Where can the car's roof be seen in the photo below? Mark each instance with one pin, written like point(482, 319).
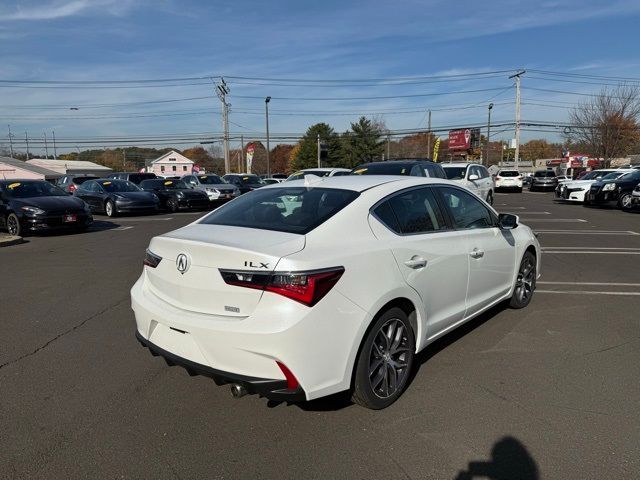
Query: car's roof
point(323, 169)
point(458, 164)
point(22, 180)
point(360, 183)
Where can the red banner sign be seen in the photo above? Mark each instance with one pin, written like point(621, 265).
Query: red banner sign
point(460, 139)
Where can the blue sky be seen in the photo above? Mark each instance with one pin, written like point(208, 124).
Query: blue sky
point(75, 40)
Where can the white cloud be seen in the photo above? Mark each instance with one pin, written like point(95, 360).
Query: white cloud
point(61, 9)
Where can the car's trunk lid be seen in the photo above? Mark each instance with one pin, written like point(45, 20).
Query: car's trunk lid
point(208, 248)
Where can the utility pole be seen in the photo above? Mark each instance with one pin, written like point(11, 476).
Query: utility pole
point(46, 146)
point(318, 150)
point(429, 153)
point(266, 109)
point(55, 152)
point(222, 90)
point(26, 137)
point(388, 147)
point(489, 132)
point(517, 153)
point(242, 168)
point(10, 140)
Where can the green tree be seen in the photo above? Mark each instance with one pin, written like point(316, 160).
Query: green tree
point(363, 143)
point(307, 155)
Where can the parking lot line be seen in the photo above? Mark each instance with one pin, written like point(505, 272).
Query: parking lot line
point(536, 213)
point(557, 220)
point(600, 284)
point(123, 228)
point(580, 292)
point(148, 219)
point(589, 232)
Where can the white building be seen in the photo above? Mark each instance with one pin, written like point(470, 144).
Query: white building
point(71, 167)
point(171, 164)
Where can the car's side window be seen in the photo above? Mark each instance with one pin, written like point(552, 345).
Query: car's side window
point(466, 210)
point(414, 211)
point(484, 173)
point(416, 171)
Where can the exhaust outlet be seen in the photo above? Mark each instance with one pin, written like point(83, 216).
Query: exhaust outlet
point(238, 390)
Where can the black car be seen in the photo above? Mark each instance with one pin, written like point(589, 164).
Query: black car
point(175, 195)
point(245, 182)
point(619, 190)
point(133, 177)
point(36, 205)
point(543, 180)
point(414, 168)
point(117, 196)
point(70, 183)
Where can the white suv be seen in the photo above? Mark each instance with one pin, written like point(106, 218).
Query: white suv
point(473, 176)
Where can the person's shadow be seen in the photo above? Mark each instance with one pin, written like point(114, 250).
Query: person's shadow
point(510, 460)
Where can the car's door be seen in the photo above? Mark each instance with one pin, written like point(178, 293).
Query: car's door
point(97, 196)
point(491, 250)
point(4, 208)
point(487, 181)
point(474, 182)
point(431, 255)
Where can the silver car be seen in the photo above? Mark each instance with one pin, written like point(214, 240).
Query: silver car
point(217, 189)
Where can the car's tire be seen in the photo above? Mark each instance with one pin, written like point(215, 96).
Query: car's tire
point(490, 197)
point(172, 205)
point(389, 361)
point(110, 208)
point(519, 190)
point(12, 223)
point(525, 283)
point(625, 201)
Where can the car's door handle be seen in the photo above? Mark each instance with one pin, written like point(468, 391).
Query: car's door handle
point(475, 253)
point(416, 262)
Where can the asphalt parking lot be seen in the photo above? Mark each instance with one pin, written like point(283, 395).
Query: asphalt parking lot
point(550, 391)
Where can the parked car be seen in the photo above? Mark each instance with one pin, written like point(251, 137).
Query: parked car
point(619, 190)
point(473, 176)
point(175, 195)
point(272, 181)
point(258, 290)
point(508, 180)
point(319, 172)
point(543, 180)
point(113, 197)
point(413, 168)
point(576, 190)
point(133, 177)
point(36, 205)
point(244, 182)
point(635, 197)
point(215, 187)
point(70, 183)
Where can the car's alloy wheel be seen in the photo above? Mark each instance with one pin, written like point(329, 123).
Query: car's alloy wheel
point(525, 282)
point(384, 363)
point(110, 209)
point(625, 201)
point(13, 225)
point(172, 205)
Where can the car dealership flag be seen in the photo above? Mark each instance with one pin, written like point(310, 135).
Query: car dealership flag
point(436, 147)
point(250, 149)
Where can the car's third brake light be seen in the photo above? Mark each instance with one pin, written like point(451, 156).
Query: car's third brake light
point(307, 288)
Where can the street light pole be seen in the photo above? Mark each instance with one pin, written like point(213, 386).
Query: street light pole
point(266, 110)
point(55, 152)
point(517, 152)
point(489, 132)
point(46, 145)
point(26, 138)
point(318, 148)
point(10, 140)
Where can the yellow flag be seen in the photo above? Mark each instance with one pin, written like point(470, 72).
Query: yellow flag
point(436, 147)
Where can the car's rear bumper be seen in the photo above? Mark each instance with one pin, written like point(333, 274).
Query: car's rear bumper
point(273, 389)
point(250, 347)
point(543, 186)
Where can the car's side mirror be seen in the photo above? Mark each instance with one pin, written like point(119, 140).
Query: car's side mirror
point(473, 177)
point(508, 221)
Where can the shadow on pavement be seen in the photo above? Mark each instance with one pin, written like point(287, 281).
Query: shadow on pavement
point(510, 460)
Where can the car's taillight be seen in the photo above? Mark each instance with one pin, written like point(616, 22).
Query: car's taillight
point(151, 259)
point(498, 177)
point(72, 188)
point(307, 287)
point(292, 381)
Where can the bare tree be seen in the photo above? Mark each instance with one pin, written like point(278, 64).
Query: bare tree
point(608, 123)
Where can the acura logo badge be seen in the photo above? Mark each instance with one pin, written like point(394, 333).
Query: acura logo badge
point(183, 263)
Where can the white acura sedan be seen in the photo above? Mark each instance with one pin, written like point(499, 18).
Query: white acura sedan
point(311, 287)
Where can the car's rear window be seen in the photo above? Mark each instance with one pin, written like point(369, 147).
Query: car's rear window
point(545, 173)
point(138, 177)
point(508, 173)
point(292, 210)
point(81, 180)
point(386, 168)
